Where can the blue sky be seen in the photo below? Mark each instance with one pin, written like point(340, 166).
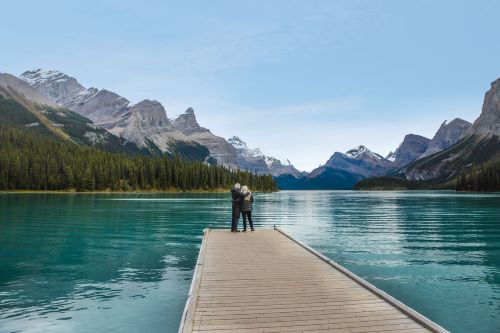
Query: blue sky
point(299, 79)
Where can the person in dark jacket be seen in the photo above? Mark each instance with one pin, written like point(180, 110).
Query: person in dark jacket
point(246, 208)
point(236, 197)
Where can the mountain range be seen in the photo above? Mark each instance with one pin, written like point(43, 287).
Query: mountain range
point(25, 108)
point(144, 125)
point(459, 152)
point(457, 147)
point(52, 102)
point(479, 146)
point(343, 170)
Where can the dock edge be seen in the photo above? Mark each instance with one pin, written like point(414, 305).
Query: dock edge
point(185, 325)
point(419, 318)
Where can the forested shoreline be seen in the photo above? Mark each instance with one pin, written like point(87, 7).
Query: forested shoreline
point(33, 162)
point(485, 179)
point(482, 179)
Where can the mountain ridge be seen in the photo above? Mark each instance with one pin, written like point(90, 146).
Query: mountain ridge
point(466, 164)
point(144, 123)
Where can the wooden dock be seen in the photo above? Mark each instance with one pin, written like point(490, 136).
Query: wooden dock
point(266, 281)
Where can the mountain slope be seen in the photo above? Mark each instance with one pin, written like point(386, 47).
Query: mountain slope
point(25, 109)
point(340, 172)
point(360, 161)
point(256, 161)
point(146, 123)
point(472, 151)
point(488, 123)
point(480, 146)
point(13, 86)
point(412, 147)
point(30, 161)
point(447, 135)
point(464, 165)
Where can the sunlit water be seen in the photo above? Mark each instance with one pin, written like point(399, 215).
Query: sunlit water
point(123, 263)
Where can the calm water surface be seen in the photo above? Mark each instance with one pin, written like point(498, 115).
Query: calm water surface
point(123, 263)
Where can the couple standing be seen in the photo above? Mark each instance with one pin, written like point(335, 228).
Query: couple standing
point(242, 200)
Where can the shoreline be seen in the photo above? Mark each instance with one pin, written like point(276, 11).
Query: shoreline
point(119, 192)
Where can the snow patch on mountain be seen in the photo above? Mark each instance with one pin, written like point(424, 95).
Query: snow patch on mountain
point(146, 122)
point(255, 160)
point(242, 147)
point(43, 75)
point(361, 151)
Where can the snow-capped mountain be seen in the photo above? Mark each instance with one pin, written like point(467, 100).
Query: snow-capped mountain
point(361, 152)
point(242, 147)
point(13, 85)
point(57, 86)
point(279, 167)
point(361, 161)
point(342, 171)
point(146, 123)
point(26, 108)
point(254, 159)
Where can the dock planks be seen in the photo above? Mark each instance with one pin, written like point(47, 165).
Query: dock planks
point(266, 281)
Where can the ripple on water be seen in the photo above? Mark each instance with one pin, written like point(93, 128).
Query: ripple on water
point(123, 263)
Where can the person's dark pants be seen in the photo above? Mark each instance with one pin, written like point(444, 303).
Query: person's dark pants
point(235, 218)
point(249, 216)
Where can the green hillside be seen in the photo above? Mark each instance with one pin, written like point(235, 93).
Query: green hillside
point(34, 161)
point(16, 112)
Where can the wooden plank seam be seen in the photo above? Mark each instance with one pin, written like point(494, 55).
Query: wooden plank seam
point(418, 317)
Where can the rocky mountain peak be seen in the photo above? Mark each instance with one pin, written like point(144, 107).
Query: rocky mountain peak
point(146, 103)
point(412, 147)
point(362, 152)
point(447, 135)
point(187, 123)
point(391, 156)
point(360, 161)
point(14, 85)
point(57, 86)
point(150, 119)
point(488, 123)
point(237, 142)
point(43, 75)
point(242, 147)
point(146, 122)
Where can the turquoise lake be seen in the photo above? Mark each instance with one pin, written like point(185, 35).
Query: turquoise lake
point(123, 262)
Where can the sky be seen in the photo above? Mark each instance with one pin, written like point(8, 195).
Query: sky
point(299, 79)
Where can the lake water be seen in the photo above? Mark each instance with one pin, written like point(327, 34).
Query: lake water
point(123, 263)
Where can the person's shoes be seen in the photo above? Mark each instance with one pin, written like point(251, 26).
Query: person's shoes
point(244, 230)
point(253, 229)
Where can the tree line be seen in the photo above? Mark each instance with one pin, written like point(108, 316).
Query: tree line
point(484, 179)
point(30, 161)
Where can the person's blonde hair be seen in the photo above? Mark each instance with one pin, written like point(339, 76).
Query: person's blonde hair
point(245, 190)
